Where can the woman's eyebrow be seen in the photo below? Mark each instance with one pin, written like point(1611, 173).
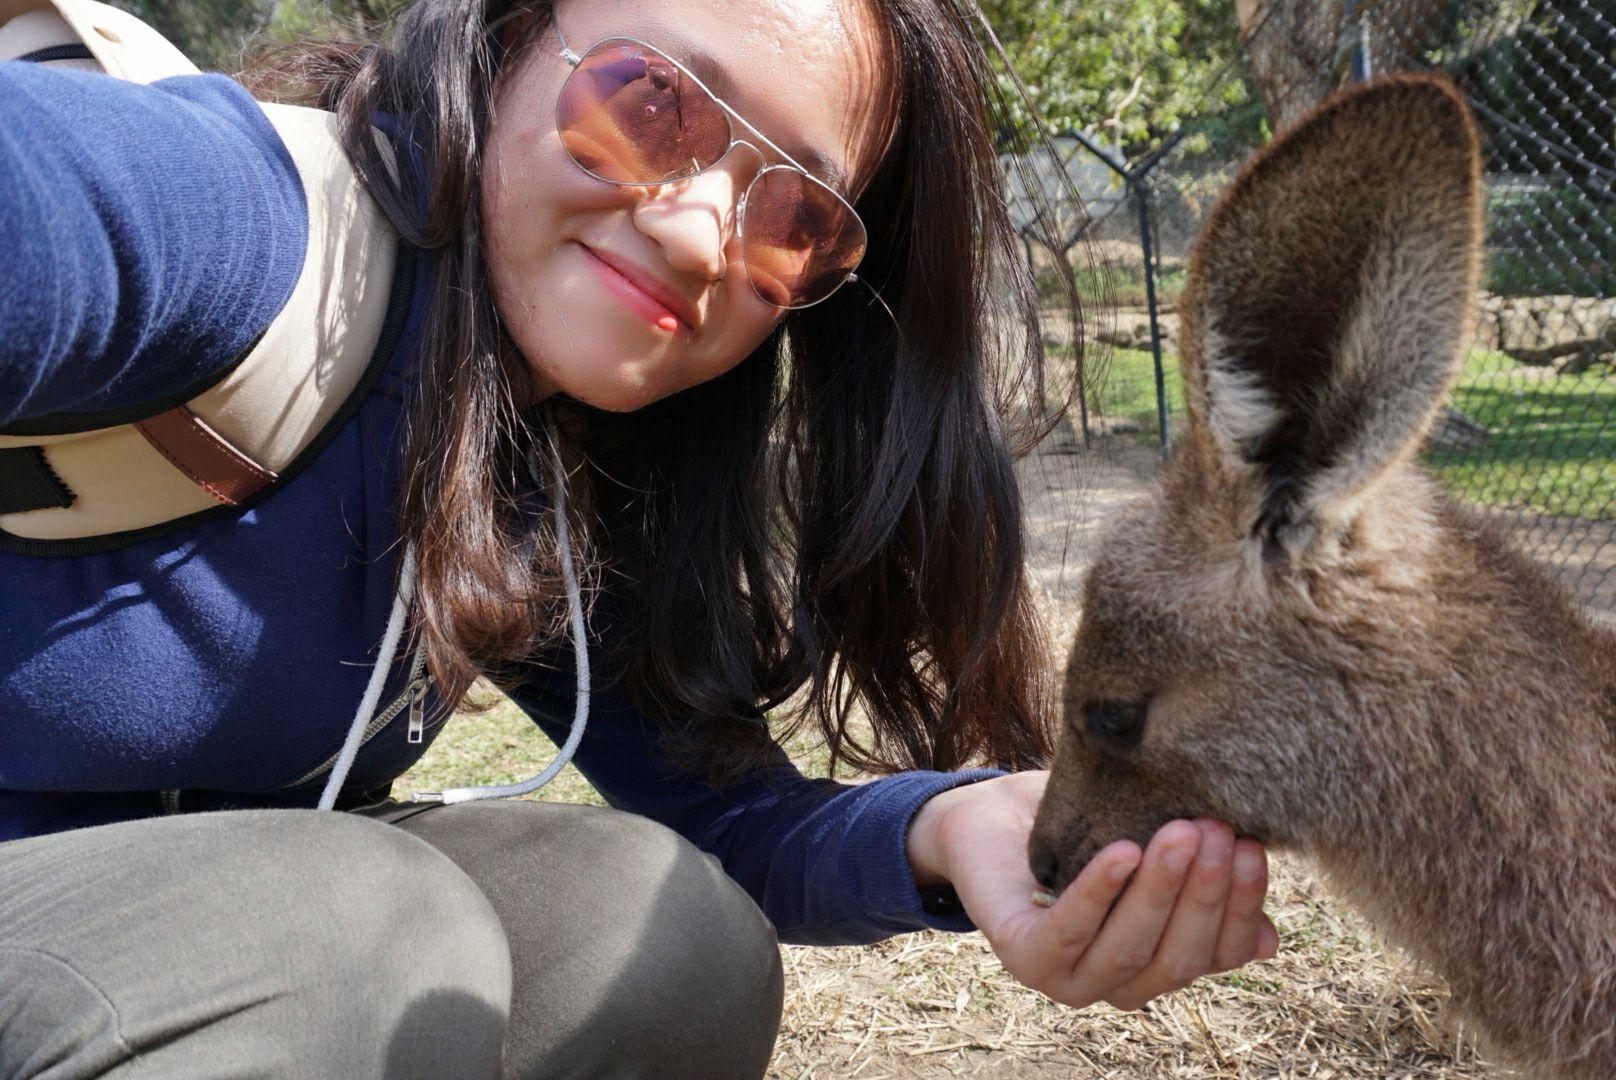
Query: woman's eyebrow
point(712, 72)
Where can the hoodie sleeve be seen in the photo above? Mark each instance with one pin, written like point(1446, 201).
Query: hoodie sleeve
point(826, 861)
point(150, 234)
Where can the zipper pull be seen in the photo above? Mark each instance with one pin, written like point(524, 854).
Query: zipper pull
point(417, 721)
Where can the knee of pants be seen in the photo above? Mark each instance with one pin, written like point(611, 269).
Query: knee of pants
point(420, 953)
point(271, 940)
point(640, 957)
point(698, 985)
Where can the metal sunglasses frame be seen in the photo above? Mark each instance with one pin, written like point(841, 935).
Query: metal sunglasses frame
point(731, 117)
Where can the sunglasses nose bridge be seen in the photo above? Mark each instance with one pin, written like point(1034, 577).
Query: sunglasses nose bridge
point(763, 159)
point(746, 189)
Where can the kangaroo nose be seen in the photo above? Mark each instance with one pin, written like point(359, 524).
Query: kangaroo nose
point(1045, 864)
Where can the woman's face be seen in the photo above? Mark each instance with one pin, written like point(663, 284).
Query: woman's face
point(805, 73)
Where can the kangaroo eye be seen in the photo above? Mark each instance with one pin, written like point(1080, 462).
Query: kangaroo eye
point(1116, 723)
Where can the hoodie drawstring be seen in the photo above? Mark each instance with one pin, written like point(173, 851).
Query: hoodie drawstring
point(373, 689)
point(390, 640)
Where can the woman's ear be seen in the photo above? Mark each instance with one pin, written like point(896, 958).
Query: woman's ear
point(1327, 305)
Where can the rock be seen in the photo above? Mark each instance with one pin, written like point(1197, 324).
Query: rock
point(1595, 355)
point(1554, 355)
point(1129, 328)
point(1454, 430)
point(1524, 325)
point(1100, 426)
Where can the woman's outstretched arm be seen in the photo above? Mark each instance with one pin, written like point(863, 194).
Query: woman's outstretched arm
point(825, 861)
point(148, 235)
point(833, 863)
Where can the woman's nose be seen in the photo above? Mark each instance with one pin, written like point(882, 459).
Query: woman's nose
point(693, 220)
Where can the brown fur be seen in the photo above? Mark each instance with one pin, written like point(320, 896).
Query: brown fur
point(1333, 657)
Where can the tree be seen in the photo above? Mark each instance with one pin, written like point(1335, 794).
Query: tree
point(215, 34)
point(1298, 50)
point(211, 32)
point(1130, 72)
point(1544, 77)
point(1294, 48)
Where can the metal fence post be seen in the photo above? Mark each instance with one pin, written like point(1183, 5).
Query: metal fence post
point(1358, 65)
point(1141, 188)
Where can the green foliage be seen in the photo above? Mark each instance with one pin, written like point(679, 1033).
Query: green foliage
point(216, 33)
point(1129, 71)
point(1122, 283)
point(1551, 240)
point(212, 33)
point(1543, 79)
point(293, 20)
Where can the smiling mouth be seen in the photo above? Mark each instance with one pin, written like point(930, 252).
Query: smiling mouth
point(636, 299)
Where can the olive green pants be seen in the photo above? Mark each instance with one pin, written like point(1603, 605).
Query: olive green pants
point(518, 939)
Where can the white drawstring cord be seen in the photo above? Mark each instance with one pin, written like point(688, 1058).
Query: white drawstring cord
point(378, 676)
point(395, 631)
point(580, 712)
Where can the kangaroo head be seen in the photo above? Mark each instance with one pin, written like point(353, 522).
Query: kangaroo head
point(1232, 622)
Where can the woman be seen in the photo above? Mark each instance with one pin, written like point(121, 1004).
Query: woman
point(784, 462)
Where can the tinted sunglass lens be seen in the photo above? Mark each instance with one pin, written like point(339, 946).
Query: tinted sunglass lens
point(802, 242)
point(627, 114)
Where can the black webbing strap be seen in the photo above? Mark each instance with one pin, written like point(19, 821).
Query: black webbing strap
point(27, 481)
point(74, 51)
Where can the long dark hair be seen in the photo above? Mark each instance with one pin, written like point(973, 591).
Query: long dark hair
point(833, 523)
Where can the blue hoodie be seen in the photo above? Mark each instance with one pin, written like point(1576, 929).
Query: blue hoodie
point(150, 233)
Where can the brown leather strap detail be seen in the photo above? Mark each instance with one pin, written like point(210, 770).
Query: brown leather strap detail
point(201, 453)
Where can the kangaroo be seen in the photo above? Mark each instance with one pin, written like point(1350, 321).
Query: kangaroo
point(1300, 635)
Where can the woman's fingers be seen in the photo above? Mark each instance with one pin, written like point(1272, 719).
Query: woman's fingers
point(1267, 940)
point(1189, 941)
point(1127, 942)
point(1041, 949)
point(1066, 931)
point(1192, 907)
point(1243, 920)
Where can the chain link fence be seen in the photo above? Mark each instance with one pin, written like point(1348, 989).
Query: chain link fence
point(1529, 433)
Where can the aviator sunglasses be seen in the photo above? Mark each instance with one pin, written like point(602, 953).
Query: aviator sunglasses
point(630, 114)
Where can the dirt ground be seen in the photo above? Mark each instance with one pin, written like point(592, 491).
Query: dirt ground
point(1333, 1003)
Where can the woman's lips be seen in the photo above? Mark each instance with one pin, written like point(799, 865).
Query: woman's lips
point(635, 298)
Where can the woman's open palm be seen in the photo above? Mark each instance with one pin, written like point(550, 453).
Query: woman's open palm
point(1193, 905)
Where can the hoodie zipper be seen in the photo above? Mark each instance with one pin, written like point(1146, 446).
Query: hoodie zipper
point(413, 698)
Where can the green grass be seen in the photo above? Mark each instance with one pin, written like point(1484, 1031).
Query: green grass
point(496, 747)
point(503, 745)
point(1128, 389)
point(1120, 283)
point(1553, 441)
point(1552, 446)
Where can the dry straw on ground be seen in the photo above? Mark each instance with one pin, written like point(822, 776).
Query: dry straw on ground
point(1332, 1004)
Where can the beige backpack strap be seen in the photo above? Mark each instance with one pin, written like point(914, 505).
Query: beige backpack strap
point(121, 44)
point(122, 478)
point(39, 33)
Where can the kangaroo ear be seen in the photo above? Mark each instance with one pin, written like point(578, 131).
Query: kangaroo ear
point(1327, 302)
